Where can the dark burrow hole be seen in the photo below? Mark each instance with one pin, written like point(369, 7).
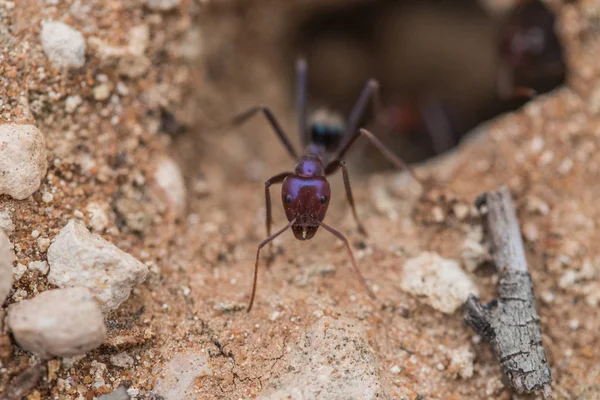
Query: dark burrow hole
point(444, 67)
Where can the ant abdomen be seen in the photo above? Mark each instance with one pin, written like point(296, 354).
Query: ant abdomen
point(327, 130)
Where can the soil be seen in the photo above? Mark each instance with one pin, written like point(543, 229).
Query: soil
point(204, 68)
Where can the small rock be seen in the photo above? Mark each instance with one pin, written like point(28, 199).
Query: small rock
point(7, 257)
point(79, 258)
point(38, 266)
point(139, 37)
point(63, 45)
point(474, 253)
point(97, 213)
point(530, 232)
point(461, 361)
point(19, 271)
point(22, 160)
point(134, 66)
point(102, 91)
point(332, 360)
point(441, 281)
point(60, 322)
point(72, 102)
point(122, 360)
point(461, 211)
point(438, 214)
point(395, 370)
point(176, 380)
point(43, 244)
point(6, 223)
point(47, 197)
point(133, 392)
point(162, 5)
point(119, 393)
point(171, 186)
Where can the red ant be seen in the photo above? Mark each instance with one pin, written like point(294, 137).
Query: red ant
point(306, 192)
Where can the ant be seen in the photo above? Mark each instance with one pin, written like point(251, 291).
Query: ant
point(306, 192)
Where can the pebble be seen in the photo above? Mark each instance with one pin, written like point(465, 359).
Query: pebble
point(47, 197)
point(22, 160)
point(60, 322)
point(395, 370)
point(461, 361)
point(474, 252)
point(333, 359)
point(122, 360)
point(38, 266)
point(6, 223)
point(79, 258)
point(7, 257)
point(72, 103)
point(176, 380)
point(19, 271)
point(162, 5)
point(98, 217)
point(64, 46)
point(461, 211)
point(119, 393)
point(171, 185)
point(43, 244)
point(102, 92)
point(441, 282)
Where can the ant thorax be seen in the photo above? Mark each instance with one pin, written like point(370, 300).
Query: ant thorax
point(326, 130)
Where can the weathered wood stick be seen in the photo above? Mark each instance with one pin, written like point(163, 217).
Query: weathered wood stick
point(511, 323)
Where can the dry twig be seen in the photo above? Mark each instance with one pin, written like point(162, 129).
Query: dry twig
point(511, 323)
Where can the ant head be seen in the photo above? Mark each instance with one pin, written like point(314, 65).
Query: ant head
point(326, 129)
point(307, 200)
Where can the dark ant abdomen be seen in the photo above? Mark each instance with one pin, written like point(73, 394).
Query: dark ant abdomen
point(326, 136)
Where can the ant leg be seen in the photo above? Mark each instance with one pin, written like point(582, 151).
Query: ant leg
point(301, 72)
point(437, 123)
point(398, 163)
point(275, 179)
point(249, 113)
point(370, 92)
point(342, 164)
point(260, 246)
point(343, 239)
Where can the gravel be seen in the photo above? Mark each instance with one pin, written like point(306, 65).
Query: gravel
point(7, 258)
point(79, 258)
point(332, 360)
point(62, 323)
point(440, 282)
point(22, 160)
point(171, 186)
point(162, 5)
point(64, 46)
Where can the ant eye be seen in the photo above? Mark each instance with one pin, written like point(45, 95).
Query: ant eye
point(323, 199)
point(288, 199)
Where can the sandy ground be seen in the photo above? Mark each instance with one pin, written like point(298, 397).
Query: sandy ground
point(201, 264)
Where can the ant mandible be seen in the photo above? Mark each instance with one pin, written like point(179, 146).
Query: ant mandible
point(306, 192)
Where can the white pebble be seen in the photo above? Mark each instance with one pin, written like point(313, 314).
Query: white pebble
point(438, 214)
point(176, 380)
point(64, 46)
point(7, 258)
point(440, 281)
point(162, 5)
point(79, 258)
point(274, 315)
point(61, 322)
point(19, 271)
point(565, 166)
point(47, 197)
point(72, 102)
point(395, 369)
point(102, 92)
point(38, 266)
point(35, 234)
point(43, 244)
point(171, 185)
point(574, 324)
point(122, 360)
point(6, 223)
point(97, 213)
point(22, 160)
point(461, 211)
